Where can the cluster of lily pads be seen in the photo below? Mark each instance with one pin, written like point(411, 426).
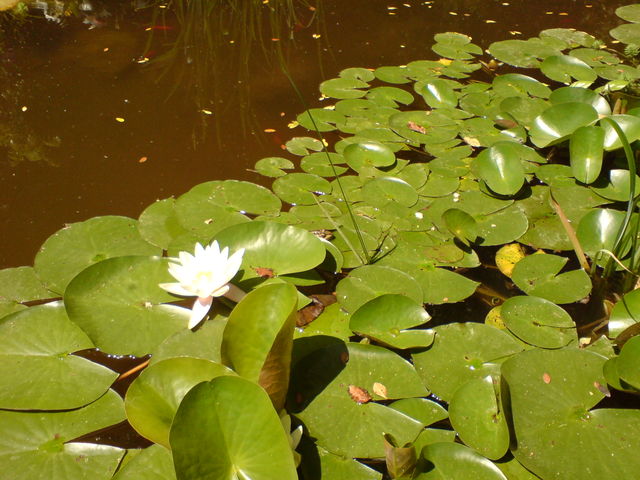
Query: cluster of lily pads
point(432, 186)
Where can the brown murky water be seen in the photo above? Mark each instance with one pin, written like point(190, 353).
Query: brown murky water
point(64, 156)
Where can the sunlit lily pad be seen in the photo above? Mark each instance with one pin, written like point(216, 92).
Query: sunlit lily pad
point(500, 166)
point(323, 164)
point(628, 362)
point(153, 398)
point(558, 435)
point(383, 190)
point(36, 366)
point(340, 379)
point(229, 425)
point(204, 343)
point(389, 96)
point(424, 410)
point(582, 95)
point(539, 275)
point(629, 124)
point(625, 313)
point(159, 223)
point(371, 281)
point(44, 453)
point(22, 284)
point(389, 319)
point(119, 304)
point(282, 249)
point(516, 84)
point(538, 321)
point(615, 185)
point(301, 145)
point(561, 120)
point(564, 68)
point(455, 45)
point(440, 285)
point(301, 188)
point(370, 153)
point(438, 93)
point(320, 119)
point(274, 166)
point(522, 53)
point(452, 460)
point(343, 88)
point(152, 463)
point(586, 148)
point(76, 246)
point(477, 416)
point(462, 225)
point(462, 352)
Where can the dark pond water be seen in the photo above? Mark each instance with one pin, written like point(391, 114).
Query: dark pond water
point(66, 154)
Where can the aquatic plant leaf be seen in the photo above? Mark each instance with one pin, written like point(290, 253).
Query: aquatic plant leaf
point(159, 224)
point(455, 45)
point(343, 88)
point(538, 321)
point(73, 248)
point(523, 109)
point(392, 74)
point(552, 392)
point(152, 463)
point(630, 13)
point(320, 119)
point(625, 313)
point(539, 276)
point(628, 363)
point(559, 121)
point(581, 95)
point(571, 37)
point(628, 33)
point(226, 426)
point(7, 308)
point(301, 145)
point(370, 153)
point(476, 414)
point(423, 410)
point(323, 164)
point(153, 398)
point(119, 304)
point(523, 53)
point(275, 166)
point(630, 125)
point(598, 231)
point(301, 188)
point(500, 166)
point(513, 469)
point(45, 453)
point(22, 284)
point(333, 466)
point(384, 190)
point(257, 341)
point(586, 146)
point(370, 281)
point(36, 366)
point(439, 94)
point(389, 96)
point(320, 385)
point(452, 460)
point(462, 225)
point(562, 68)
point(501, 227)
point(399, 460)
point(516, 84)
point(615, 185)
point(461, 352)
point(389, 319)
point(333, 322)
point(281, 248)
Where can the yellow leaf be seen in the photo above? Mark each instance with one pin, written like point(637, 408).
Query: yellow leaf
point(508, 256)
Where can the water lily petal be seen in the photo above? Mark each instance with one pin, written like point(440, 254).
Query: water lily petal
point(200, 309)
point(221, 291)
point(176, 289)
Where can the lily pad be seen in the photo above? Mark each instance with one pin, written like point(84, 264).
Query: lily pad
point(616, 185)
point(274, 166)
point(370, 153)
point(301, 188)
point(455, 45)
point(500, 166)
point(159, 223)
point(424, 410)
point(204, 343)
point(564, 68)
point(22, 284)
point(152, 463)
point(229, 425)
point(625, 313)
point(586, 148)
point(452, 460)
point(45, 453)
point(598, 231)
point(440, 285)
point(383, 190)
point(389, 319)
point(343, 88)
point(559, 121)
point(582, 95)
point(539, 275)
point(628, 363)
point(320, 119)
point(538, 321)
point(119, 304)
point(629, 124)
point(73, 248)
point(462, 352)
point(462, 225)
point(37, 369)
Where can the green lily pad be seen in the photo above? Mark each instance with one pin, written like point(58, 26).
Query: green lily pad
point(476, 414)
point(616, 185)
point(301, 188)
point(559, 121)
point(538, 321)
point(389, 319)
point(625, 313)
point(301, 145)
point(424, 410)
point(70, 250)
point(383, 190)
point(516, 84)
point(320, 119)
point(7, 308)
point(630, 125)
point(323, 164)
point(501, 227)
point(37, 369)
point(152, 463)
point(333, 322)
point(440, 285)
point(462, 352)
point(282, 249)
point(371, 281)
point(275, 166)
point(628, 362)
point(628, 33)
point(119, 304)
point(22, 284)
point(562, 68)
point(500, 166)
point(452, 460)
point(204, 343)
point(439, 94)
point(153, 398)
point(522, 53)
point(390, 96)
point(44, 453)
point(226, 426)
point(335, 467)
point(630, 13)
point(598, 231)
point(159, 224)
point(392, 74)
point(581, 95)
point(462, 225)
point(340, 379)
point(539, 275)
point(370, 153)
point(586, 148)
point(558, 435)
point(343, 88)
point(455, 45)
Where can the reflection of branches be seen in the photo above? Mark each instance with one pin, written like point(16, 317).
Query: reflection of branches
point(216, 43)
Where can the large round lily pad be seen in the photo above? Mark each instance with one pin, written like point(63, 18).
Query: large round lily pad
point(36, 366)
point(21, 284)
point(454, 461)
point(73, 248)
point(119, 304)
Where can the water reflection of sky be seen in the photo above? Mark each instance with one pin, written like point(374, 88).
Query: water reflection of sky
point(87, 130)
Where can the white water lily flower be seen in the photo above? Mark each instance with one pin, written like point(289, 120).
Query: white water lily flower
point(205, 274)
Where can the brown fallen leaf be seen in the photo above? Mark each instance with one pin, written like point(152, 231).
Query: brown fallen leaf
point(546, 378)
point(380, 390)
point(312, 311)
point(358, 394)
point(416, 128)
point(264, 272)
